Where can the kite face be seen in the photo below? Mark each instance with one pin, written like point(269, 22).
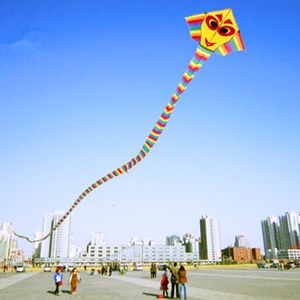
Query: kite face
point(217, 29)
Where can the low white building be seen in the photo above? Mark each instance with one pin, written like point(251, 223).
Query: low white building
point(138, 253)
point(291, 254)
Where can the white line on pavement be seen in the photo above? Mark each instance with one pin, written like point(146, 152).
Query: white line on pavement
point(244, 276)
point(11, 280)
point(194, 292)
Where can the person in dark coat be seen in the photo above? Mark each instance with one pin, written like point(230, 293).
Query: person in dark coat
point(174, 280)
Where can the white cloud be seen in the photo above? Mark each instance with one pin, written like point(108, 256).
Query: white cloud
point(29, 45)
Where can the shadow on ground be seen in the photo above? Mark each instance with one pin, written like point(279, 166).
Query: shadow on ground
point(51, 292)
point(150, 294)
point(62, 291)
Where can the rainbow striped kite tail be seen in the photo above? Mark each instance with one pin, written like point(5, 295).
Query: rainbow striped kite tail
point(200, 56)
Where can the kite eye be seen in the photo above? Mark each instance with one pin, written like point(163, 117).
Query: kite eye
point(212, 23)
point(223, 30)
point(226, 30)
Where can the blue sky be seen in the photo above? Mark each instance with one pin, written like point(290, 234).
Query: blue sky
point(81, 85)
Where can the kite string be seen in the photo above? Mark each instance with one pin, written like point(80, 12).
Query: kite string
point(32, 241)
point(199, 57)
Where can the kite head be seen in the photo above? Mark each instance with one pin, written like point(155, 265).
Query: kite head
point(216, 31)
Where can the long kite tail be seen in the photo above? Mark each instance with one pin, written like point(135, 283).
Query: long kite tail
point(200, 56)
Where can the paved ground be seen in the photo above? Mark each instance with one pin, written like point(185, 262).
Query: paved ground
point(202, 284)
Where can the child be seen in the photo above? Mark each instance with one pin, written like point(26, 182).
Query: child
point(164, 284)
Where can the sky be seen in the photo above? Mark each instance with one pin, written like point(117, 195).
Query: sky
point(83, 82)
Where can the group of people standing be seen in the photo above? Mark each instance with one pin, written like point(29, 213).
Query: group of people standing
point(104, 270)
point(178, 282)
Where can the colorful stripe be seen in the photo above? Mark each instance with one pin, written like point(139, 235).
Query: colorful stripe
point(235, 44)
point(194, 23)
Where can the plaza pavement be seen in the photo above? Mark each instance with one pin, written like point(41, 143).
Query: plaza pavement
point(202, 284)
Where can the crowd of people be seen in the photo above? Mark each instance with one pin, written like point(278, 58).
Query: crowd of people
point(177, 280)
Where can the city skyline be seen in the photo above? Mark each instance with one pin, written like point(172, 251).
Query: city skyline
point(280, 233)
point(81, 88)
point(48, 247)
point(236, 239)
point(170, 238)
point(239, 239)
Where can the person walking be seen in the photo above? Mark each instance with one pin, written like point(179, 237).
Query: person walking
point(182, 280)
point(164, 284)
point(73, 280)
point(153, 271)
point(109, 270)
point(174, 280)
point(58, 280)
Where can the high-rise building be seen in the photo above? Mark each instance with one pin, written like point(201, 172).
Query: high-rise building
point(60, 237)
point(6, 240)
point(97, 237)
point(57, 245)
point(290, 223)
point(74, 250)
point(240, 241)
point(271, 236)
point(280, 233)
point(173, 240)
point(135, 241)
point(210, 248)
point(190, 243)
point(47, 225)
point(37, 245)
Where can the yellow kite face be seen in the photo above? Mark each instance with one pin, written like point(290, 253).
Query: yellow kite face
point(218, 28)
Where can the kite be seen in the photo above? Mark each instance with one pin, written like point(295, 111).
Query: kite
point(215, 31)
